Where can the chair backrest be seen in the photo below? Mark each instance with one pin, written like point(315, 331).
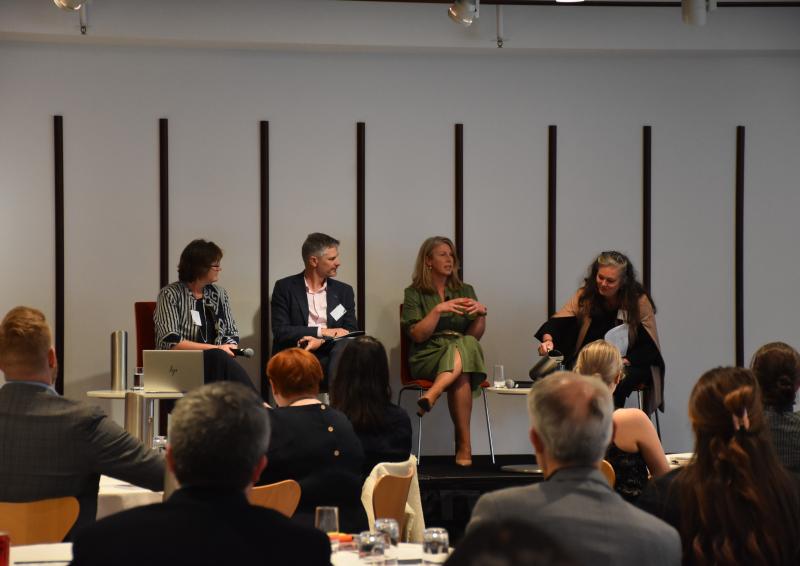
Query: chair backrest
point(389, 497)
point(39, 522)
point(608, 471)
point(145, 328)
point(405, 373)
point(283, 496)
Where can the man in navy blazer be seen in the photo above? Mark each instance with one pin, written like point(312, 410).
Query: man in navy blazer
point(219, 435)
point(311, 309)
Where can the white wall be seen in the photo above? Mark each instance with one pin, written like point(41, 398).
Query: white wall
point(112, 96)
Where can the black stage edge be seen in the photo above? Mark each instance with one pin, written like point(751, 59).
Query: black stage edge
point(449, 492)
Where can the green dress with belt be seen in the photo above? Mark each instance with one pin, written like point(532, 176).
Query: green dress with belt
point(437, 354)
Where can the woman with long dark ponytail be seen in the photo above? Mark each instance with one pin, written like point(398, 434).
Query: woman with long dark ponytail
point(733, 503)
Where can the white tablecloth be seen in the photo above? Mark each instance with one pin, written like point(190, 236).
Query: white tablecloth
point(51, 554)
point(115, 496)
point(403, 551)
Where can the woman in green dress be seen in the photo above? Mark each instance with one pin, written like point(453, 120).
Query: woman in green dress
point(444, 320)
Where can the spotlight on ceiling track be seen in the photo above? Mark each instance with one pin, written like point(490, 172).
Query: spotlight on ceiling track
point(69, 4)
point(464, 11)
point(79, 6)
point(694, 12)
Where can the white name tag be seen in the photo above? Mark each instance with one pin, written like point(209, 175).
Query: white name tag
point(337, 313)
point(196, 318)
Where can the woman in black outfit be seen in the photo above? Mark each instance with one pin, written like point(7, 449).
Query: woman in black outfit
point(361, 391)
point(312, 443)
point(610, 296)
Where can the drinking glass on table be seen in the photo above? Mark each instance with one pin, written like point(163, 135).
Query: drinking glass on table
point(326, 519)
point(372, 547)
point(138, 379)
point(390, 528)
point(499, 376)
point(435, 546)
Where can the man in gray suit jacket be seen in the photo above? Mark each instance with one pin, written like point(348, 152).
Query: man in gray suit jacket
point(52, 446)
point(571, 426)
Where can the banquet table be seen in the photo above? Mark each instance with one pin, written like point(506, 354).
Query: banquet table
point(403, 553)
point(60, 554)
point(116, 495)
point(57, 554)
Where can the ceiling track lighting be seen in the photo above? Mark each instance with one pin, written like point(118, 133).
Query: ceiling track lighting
point(464, 12)
point(79, 6)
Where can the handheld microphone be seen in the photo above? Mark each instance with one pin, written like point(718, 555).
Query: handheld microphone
point(243, 352)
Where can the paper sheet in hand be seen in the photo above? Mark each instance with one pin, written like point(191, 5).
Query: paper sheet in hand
point(619, 337)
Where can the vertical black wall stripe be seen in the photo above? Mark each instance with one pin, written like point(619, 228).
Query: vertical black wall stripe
point(552, 170)
point(459, 178)
point(647, 203)
point(361, 269)
point(739, 253)
point(264, 345)
point(163, 200)
point(58, 154)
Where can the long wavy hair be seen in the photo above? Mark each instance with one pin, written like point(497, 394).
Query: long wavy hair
point(361, 389)
point(738, 504)
point(421, 278)
point(629, 293)
point(777, 368)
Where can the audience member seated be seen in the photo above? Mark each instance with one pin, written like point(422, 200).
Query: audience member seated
point(509, 543)
point(733, 503)
point(777, 369)
point(313, 443)
point(635, 447)
point(445, 321)
point(571, 427)
point(361, 391)
point(52, 446)
point(194, 313)
point(218, 436)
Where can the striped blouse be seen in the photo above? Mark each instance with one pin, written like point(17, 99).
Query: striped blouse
point(173, 316)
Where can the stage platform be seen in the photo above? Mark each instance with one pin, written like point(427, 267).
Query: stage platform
point(449, 492)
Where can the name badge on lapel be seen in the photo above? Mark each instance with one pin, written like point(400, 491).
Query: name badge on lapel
point(196, 318)
point(337, 313)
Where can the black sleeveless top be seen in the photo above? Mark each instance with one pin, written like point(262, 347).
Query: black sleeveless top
point(631, 472)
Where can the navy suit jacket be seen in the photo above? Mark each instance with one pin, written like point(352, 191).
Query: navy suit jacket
point(200, 527)
point(290, 310)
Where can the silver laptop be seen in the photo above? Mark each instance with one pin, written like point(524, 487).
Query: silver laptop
point(168, 371)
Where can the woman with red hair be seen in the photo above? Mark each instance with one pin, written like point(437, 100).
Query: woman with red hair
point(733, 503)
point(312, 443)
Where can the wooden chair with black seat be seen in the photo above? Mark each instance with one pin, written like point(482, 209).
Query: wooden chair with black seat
point(420, 385)
point(389, 498)
point(608, 471)
point(282, 496)
point(38, 522)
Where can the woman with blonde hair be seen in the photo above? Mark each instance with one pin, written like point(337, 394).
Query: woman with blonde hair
point(444, 320)
point(635, 448)
point(733, 503)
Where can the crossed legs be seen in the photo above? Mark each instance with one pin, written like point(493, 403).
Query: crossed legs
point(459, 401)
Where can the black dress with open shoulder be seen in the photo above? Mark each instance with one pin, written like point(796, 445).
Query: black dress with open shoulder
point(631, 472)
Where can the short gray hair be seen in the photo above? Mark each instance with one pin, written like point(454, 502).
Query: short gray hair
point(316, 244)
point(572, 414)
point(218, 433)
